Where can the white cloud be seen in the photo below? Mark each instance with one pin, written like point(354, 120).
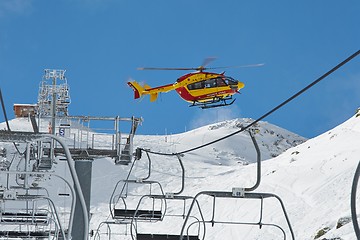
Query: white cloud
point(214, 115)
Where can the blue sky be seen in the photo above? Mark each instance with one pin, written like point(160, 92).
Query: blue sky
point(100, 43)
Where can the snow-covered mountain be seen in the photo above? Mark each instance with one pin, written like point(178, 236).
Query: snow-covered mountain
point(239, 148)
point(312, 177)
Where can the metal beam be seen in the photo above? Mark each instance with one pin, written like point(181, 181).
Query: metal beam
point(18, 136)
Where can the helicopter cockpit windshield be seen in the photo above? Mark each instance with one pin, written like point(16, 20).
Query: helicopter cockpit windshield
point(230, 81)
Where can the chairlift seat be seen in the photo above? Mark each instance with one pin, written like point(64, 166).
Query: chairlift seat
point(21, 217)
point(139, 214)
point(163, 237)
point(19, 234)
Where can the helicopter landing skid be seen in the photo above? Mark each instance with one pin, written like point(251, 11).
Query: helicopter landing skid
point(214, 103)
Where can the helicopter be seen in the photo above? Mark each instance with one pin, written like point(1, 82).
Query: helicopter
point(200, 88)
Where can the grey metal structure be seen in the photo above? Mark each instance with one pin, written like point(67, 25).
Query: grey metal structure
point(77, 141)
point(53, 97)
point(53, 86)
point(84, 171)
point(84, 144)
point(29, 216)
point(53, 118)
point(91, 137)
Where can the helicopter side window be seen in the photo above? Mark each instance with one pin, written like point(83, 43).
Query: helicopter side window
point(210, 83)
point(197, 85)
point(220, 82)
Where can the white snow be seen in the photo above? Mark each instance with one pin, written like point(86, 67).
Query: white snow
point(313, 179)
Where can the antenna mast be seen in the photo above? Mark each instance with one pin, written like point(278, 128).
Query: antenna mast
point(53, 97)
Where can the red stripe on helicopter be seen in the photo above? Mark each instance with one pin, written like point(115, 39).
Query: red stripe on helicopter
point(184, 93)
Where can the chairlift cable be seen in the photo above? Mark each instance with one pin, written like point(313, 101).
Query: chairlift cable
point(4, 111)
point(266, 114)
point(7, 121)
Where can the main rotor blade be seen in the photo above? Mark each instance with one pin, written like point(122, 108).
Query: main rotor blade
point(207, 61)
point(155, 68)
point(240, 66)
point(201, 68)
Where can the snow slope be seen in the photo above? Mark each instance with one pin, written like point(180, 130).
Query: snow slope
point(313, 180)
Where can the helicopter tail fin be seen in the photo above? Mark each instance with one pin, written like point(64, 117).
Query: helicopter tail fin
point(138, 89)
point(141, 90)
point(153, 97)
point(147, 87)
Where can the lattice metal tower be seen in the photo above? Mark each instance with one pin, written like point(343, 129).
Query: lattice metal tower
point(50, 90)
